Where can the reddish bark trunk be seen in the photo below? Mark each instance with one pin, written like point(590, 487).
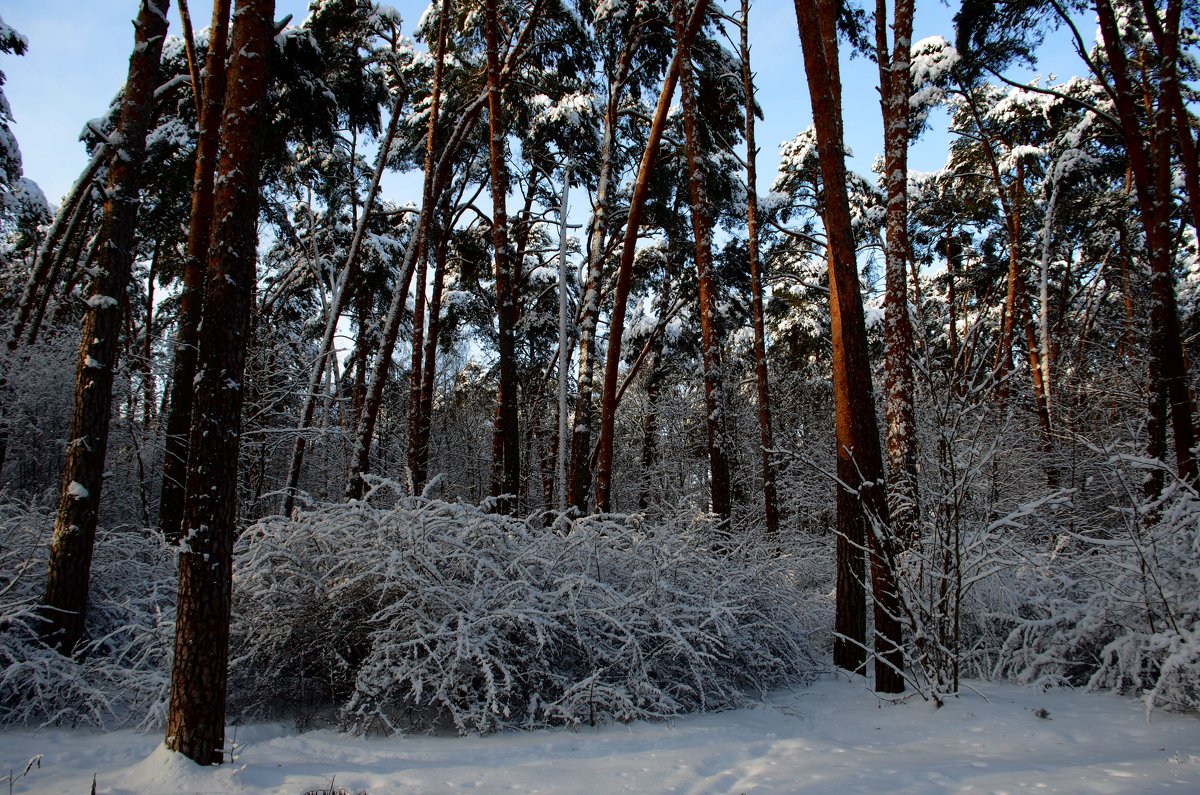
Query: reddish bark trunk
point(1149, 151)
point(616, 329)
point(506, 454)
point(765, 437)
point(191, 299)
point(863, 518)
point(710, 342)
point(196, 716)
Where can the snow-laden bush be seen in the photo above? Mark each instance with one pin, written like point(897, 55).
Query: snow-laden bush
point(431, 614)
point(120, 672)
point(1114, 605)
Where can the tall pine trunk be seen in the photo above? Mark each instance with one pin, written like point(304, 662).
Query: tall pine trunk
point(196, 716)
point(714, 391)
point(191, 299)
point(1149, 151)
point(65, 601)
point(506, 450)
point(423, 357)
point(895, 87)
point(863, 517)
point(765, 436)
point(616, 328)
point(581, 433)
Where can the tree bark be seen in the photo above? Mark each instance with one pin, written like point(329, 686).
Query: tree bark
point(418, 453)
point(895, 88)
point(65, 601)
point(196, 716)
point(863, 517)
point(616, 329)
point(714, 390)
point(765, 436)
point(191, 300)
point(1149, 150)
point(424, 429)
point(342, 289)
point(435, 182)
point(506, 459)
point(581, 433)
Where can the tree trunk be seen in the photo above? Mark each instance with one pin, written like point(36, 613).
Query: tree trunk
point(196, 717)
point(714, 391)
point(564, 343)
point(65, 600)
point(581, 433)
point(191, 300)
point(616, 329)
point(770, 497)
point(895, 87)
point(342, 288)
point(863, 518)
point(62, 229)
point(418, 453)
point(506, 456)
point(1149, 151)
point(429, 368)
point(435, 182)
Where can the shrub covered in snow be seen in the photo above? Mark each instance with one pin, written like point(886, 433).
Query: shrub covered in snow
point(430, 614)
point(120, 673)
point(1115, 605)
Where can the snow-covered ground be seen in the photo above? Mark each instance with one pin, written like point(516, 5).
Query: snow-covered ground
point(834, 737)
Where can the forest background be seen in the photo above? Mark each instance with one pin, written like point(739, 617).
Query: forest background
point(485, 540)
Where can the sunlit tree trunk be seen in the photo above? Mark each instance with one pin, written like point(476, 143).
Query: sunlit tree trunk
point(710, 342)
point(616, 329)
point(196, 716)
point(65, 600)
point(895, 88)
point(863, 517)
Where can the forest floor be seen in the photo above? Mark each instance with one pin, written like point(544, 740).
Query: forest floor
point(834, 737)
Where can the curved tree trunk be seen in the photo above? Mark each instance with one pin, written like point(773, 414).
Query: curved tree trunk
point(616, 329)
point(65, 600)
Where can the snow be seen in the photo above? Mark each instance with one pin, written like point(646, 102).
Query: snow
point(77, 490)
point(101, 302)
point(834, 737)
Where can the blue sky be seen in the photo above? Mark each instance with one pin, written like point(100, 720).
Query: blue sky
point(78, 55)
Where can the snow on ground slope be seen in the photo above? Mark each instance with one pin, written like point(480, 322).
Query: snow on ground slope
point(834, 737)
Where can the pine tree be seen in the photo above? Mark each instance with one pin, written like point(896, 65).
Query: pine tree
point(863, 518)
point(196, 716)
point(65, 601)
